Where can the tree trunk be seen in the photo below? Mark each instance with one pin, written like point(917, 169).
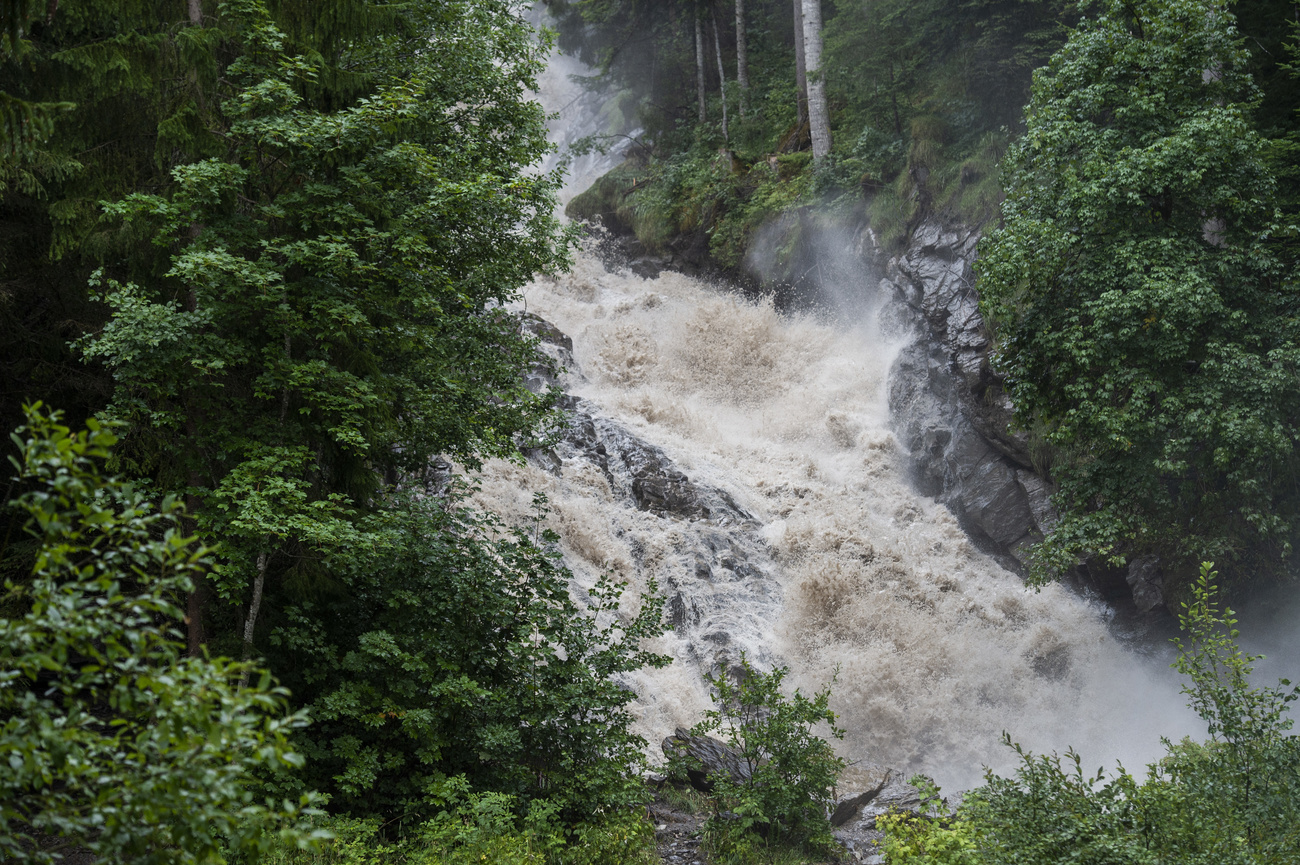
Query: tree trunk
point(742, 57)
point(818, 115)
point(800, 69)
point(699, 63)
point(722, 78)
point(196, 12)
point(251, 622)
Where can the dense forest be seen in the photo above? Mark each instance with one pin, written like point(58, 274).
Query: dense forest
point(256, 265)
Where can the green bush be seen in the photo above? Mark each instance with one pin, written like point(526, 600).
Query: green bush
point(114, 741)
point(930, 837)
point(785, 800)
point(1234, 799)
point(455, 650)
point(478, 829)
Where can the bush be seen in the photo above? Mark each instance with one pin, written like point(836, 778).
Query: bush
point(1233, 799)
point(457, 651)
point(114, 741)
point(930, 837)
point(483, 828)
point(792, 771)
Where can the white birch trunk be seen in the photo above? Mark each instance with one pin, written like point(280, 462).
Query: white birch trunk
point(250, 623)
point(742, 57)
point(800, 68)
point(818, 115)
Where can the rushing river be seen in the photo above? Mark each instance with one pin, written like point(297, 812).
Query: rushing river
point(819, 554)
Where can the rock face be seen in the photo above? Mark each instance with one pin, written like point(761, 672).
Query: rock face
point(948, 405)
point(714, 758)
point(1146, 582)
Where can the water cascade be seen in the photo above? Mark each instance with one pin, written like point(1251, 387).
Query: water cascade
point(746, 461)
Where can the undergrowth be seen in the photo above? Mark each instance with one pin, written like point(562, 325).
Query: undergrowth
point(744, 203)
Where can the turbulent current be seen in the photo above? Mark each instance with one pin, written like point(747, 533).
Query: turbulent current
point(743, 459)
point(817, 554)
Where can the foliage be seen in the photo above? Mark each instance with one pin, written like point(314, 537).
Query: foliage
point(1145, 320)
point(1234, 799)
point(482, 828)
point(114, 742)
point(921, 97)
point(454, 650)
point(332, 312)
point(792, 771)
point(929, 837)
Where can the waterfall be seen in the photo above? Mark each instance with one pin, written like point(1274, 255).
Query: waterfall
point(744, 460)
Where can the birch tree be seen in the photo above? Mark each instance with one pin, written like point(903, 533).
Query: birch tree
point(742, 57)
point(818, 115)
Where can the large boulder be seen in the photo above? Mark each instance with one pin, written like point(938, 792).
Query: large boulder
point(857, 786)
point(710, 759)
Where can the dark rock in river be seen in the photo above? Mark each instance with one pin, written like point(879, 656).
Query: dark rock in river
point(710, 757)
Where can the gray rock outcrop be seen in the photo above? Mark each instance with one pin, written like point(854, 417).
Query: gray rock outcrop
point(948, 405)
point(709, 758)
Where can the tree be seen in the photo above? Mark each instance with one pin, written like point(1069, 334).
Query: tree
point(701, 91)
point(114, 742)
point(722, 78)
point(330, 315)
point(455, 650)
point(818, 112)
point(800, 68)
point(742, 57)
point(790, 772)
point(1145, 321)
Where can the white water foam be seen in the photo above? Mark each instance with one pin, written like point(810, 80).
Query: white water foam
point(935, 649)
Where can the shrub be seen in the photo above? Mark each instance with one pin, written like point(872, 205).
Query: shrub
point(114, 741)
point(457, 650)
point(930, 837)
point(792, 771)
point(1233, 799)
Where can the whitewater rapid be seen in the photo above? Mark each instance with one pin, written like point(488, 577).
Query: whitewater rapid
point(934, 649)
point(823, 557)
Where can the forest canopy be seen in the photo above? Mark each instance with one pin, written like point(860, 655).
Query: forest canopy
point(270, 246)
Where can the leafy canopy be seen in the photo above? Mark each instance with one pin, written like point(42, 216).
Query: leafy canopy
point(1146, 322)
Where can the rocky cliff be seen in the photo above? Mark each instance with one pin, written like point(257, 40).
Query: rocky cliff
point(949, 407)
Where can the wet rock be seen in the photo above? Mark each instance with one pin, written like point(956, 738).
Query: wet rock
point(1146, 582)
point(859, 836)
point(712, 759)
point(544, 458)
point(556, 345)
point(857, 786)
point(717, 572)
point(949, 409)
